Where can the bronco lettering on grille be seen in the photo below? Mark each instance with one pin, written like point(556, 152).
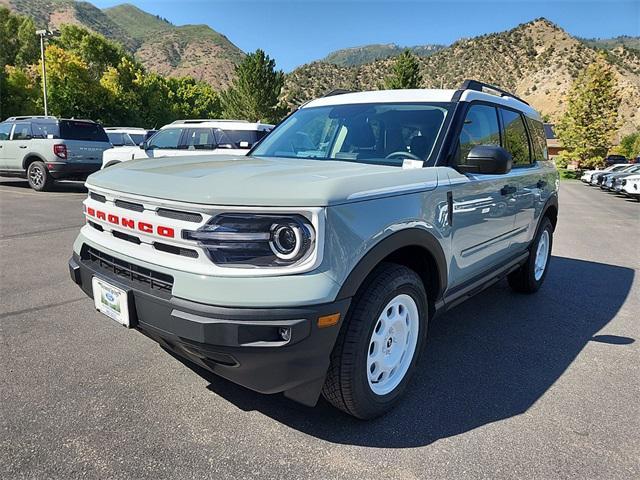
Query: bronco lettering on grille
point(145, 227)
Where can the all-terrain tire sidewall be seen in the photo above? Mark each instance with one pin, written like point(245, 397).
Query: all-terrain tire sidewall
point(46, 184)
point(388, 282)
point(523, 280)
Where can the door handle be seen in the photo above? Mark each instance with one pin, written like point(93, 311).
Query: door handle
point(22, 146)
point(508, 190)
point(541, 184)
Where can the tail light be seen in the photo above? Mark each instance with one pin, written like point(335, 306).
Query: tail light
point(60, 151)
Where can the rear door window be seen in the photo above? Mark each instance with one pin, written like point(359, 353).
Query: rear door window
point(83, 131)
point(5, 130)
point(45, 130)
point(239, 138)
point(199, 139)
point(538, 140)
point(516, 141)
point(22, 131)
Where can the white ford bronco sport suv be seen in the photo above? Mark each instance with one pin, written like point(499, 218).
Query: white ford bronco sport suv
point(314, 264)
point(194, 137)
point(45, 149)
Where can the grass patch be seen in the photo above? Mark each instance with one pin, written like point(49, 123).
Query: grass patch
point(569, 174)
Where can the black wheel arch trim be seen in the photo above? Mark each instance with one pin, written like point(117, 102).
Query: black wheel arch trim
point(411, 237)
point(35, 156)
point(552, 201)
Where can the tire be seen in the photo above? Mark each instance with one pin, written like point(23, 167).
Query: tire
point(528, 278)
point(357, 356)
point(38, 176)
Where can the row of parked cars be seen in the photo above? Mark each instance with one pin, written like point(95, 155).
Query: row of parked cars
point(623, 178)
point(44, 149)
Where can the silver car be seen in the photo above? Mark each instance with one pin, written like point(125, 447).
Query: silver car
point(45, 149)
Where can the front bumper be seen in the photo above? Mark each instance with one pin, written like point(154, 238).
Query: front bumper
point(72, 170)
point(243, 345)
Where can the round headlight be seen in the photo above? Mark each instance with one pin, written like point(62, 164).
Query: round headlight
point(287, 241)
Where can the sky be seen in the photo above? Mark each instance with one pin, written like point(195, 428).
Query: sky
point(295, 32)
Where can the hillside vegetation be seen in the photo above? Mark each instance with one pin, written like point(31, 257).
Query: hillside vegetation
point(538, 61)
point(355, 56)
point(177, 51)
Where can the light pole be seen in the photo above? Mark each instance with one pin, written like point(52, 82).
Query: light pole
point(44, 34)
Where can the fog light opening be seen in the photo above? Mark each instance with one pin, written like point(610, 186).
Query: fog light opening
point(285, 333)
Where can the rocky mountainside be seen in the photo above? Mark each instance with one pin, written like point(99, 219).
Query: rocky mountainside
point(194, 50)
point(355, 56)
point(537, 61)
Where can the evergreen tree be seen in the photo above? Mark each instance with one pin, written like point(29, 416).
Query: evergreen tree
point(587, 127)
point(405, 73)
point(254, 94)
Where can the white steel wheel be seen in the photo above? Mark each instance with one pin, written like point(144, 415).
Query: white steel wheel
point(392, 344)
point(542, 255)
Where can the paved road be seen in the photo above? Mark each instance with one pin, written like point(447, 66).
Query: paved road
point(510, 386)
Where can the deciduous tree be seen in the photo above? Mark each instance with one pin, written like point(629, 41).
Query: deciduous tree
point(586, 129)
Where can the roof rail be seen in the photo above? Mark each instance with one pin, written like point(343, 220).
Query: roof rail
point(337, 91)
point(203, 120)
point(488, 88)
point(30, 117)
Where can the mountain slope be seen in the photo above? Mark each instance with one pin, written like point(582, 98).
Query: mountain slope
point(355, 56)
point(194, 50)
point(537, 61)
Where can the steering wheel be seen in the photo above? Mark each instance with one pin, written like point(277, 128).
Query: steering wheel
point(400, 153)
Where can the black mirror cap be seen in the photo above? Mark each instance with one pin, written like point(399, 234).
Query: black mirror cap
point(489, 159)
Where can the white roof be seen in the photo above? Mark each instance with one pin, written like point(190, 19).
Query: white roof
point(384, 96)
point(125, 130)
point(418, 96)
point(222, 124)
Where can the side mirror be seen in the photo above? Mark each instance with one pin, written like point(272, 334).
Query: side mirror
point(143, 145)
point(489, 159)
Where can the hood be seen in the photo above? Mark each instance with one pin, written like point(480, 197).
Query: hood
point(259, 181)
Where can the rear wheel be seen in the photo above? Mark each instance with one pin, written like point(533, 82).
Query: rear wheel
point(379, 344)
point(38, 176)
point(530, 276)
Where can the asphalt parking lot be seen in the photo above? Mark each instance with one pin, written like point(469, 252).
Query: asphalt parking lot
point(510, 386)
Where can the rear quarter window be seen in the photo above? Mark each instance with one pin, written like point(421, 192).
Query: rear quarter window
point(83, 131)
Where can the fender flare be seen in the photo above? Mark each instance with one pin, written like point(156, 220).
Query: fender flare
point(552, 201)
point(31, 155)
point(411, 237)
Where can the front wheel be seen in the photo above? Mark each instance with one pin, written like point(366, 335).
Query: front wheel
point(530, 276)
point(39, 177)
point(379, 344)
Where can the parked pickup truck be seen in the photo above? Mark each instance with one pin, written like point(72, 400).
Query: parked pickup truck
point(45, 149)
point(314, 264)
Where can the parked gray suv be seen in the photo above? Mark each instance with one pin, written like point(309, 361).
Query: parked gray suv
point(44, 149)
point(314, 264)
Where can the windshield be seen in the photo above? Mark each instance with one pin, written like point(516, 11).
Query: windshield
point(383, 133)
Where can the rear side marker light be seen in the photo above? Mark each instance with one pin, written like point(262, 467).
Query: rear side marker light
point(60, 151)
point(328, 320)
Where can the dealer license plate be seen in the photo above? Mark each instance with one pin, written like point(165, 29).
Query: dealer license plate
point(110, 300)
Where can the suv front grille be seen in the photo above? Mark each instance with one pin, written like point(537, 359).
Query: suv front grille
point(179, 215)
point(129, 273)
point(138, 207)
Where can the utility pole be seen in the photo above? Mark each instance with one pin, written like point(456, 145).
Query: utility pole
point(44, 34)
